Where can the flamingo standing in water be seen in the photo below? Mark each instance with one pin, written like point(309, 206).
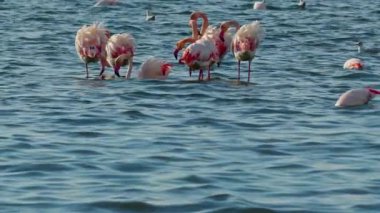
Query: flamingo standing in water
point(353, 63)
point(155, 68)
point(120, 51)
point(223, 38)
point(259, 5)
point(245, 43)
point(90, 43)
point(105, 2)
point(356, 97)
point(199, 55)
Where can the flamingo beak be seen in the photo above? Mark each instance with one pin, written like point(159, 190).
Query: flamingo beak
point(176, 53)
point(116, 71)
point(221, 35)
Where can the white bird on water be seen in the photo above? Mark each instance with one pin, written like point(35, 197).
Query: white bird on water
point(105, 2)
point(356, 97)
point(302, 4)
point(259, 5)
point(362, 49)
point(150, 16)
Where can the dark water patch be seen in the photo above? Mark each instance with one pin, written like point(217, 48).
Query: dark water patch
point(41, 167)
point(195, 179)
point(131, 206)
point(243, 210)
point(219, 197)
point(140, 167)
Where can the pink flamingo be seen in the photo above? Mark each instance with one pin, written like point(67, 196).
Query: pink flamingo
point(353, 63)
point(222, 38)
point(356, 97)
point(90, 43)
point(245, 43)
point(120, 51)
point(197, 34)
point(105, 2)
point(259, 5)
point(199, 55)
point(155, 68)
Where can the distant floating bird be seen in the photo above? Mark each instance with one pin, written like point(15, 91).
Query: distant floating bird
point(361, 49)
point(353, 63)
point(90, 43)
point(120, 51)
point(302, 4)
point(259, 5)
point(150, 16)
point(105, 2)
point(356, 97)
point(154, 68)
point(245, 43)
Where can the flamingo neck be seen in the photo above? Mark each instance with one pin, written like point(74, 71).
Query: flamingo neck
point(195, 16)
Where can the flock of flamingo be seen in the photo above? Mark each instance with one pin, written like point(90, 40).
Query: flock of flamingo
point(201, 51)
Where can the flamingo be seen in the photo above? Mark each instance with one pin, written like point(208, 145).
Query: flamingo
point(201, 54)
point(90, 43)
point(222, 38)
point(353, 63)
point(259, 5)
point(196, 34)
point(356, 97)
point(154, 68)
point(245, 43)
point(120, 51)
point(302, 4)
point(105, 2)
point(361, 49)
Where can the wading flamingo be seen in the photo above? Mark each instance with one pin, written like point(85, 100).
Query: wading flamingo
point(223, 38)
point(259, 5)
point(90, 43)
point(245, 43)
point(154, 68)
point(199, 55)
point(356, 97)
point(302, 4)
point(105, 2)
point(353, 63)
point(120, 51)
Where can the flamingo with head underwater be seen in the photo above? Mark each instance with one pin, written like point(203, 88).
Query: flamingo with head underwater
point(245, 43)
point(353, 63)
point(120, 51)
point(155, 68)
point(259, 5)
point(90, 43)
point(356, 97)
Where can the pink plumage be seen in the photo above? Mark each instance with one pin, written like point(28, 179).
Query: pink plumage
point(154, 68)
point(356, 97)
point(90, 42)
point(353, 63)
point(120, 51)
point(245, 43)
point(200, 55)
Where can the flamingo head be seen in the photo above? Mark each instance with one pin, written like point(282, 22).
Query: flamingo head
point(91, 51)
point(179, 46)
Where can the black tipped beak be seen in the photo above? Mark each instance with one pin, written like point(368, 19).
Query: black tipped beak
point(175, 53)
point(117, 73)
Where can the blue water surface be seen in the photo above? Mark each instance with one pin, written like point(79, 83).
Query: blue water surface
point(278, 144)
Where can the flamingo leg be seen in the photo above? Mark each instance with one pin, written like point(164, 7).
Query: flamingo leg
point(102, 71)
point(86, 70)
point(189, 71)
point(200, 77)
point(209, 73)
point(238, 70)
point(249, 70)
